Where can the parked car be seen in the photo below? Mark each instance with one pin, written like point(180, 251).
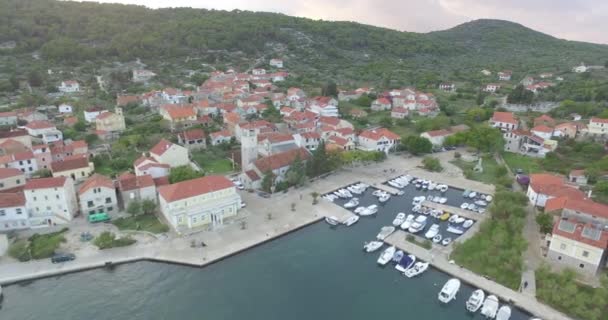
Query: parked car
point(264, 194)
point(239, 185)
point(62, 257)
point(243, 204)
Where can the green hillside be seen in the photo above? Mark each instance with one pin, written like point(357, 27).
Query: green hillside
point(73, 32)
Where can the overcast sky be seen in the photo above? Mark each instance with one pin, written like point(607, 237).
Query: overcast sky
point(584, 20)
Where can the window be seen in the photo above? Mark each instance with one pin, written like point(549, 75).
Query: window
point(18, 211)
point(46, 198)
point(29, 161)
point(194, 219)
point(82, 173)
point(562, 246)
point(108, 200)
point(582, 266)
point(2, 212)
point(559, 258)
point(18, 181)
point(110, 208)
point(20, 163)
point(586, 254)
point(92, 212)
point(57, 196)
point(2, 184)
point(89, 204)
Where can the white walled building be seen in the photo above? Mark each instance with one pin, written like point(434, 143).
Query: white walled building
point(98, 195)
point(50, 201)
point(13, 214)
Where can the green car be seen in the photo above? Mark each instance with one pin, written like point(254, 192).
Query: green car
point(99, 217)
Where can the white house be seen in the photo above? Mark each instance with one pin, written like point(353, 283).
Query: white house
point(436, 137)
point(52, 136)
point(199, 202)
point(505, 75)
point(149, 166)
point(505, 121)
point(449, 87)
point(580, 69)
point(39, 127)
point(277, 63)
point(24, 161)
point(258, 71)
point(166, 152)
point(308, 140)
point(598, 126)
point(13, 214)
point(90, 115)
point(279, 163)
point(219, 137)
point(97, 195)
point(491, 87)
point(381, 104)
point(50, 201)
point(545, 186)
point(542, 131)
point(69, 86)
point(65, 108)
point(380, 139)
point(11, 178)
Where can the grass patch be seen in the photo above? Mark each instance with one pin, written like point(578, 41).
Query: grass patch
point(38, 246)
point(564, 293)
point(107, 240)
point(496, 250)
point(212, 162)
point(493, 173)
point(427, 244)
point(142, 222)
point(517, 161)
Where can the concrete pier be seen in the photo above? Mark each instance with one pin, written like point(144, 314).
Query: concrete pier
point(454, 210)
point(506, 295)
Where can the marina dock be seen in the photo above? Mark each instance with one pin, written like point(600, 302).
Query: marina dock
point(454, 210)
point(506, 295)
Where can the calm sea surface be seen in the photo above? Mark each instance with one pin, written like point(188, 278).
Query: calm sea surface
point(314, 273)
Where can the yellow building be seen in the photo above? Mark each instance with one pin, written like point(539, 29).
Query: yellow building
point(110, 122)
point(598, 126)
point(76, 167)
point(199, 202)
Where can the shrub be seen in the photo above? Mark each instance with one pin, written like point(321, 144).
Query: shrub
point(457, 155)
point(432, 164)
point(545, 222)
point(20, 250)
point(108, 240)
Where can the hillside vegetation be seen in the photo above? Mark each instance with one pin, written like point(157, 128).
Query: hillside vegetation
point(72, 32)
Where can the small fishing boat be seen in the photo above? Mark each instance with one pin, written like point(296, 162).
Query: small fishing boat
point(444, 216)
point(350, 221)
point(418, 224)
point(432, 232)
point(446, 241)
point(468, 223)
point(466, 193)
point(472, 207)
point(360, 209)
point(459, 220)
point(372, 246)
point(437, 238)
point(418, 268)
point(399, 219)
point(481, 203)
point(386, 255)
point(475, 300)
point(504, 313)
point(436, 213)
point(377, 193)
point(443, 200)
point(436, 199)
point(489, 198)
point(490, 307)
point(406, 262)
point(464, 206)
point(455, 229)
point(408, 222)
point(432, 186)
point(453, 218)
point(384, 197)
point(398, 256)
point(417, 208)
point(473, 194)
point(442, 187)
point(352, 203)
point(332, 220)
point(371, 210)
point(385, 232)
point(449, 290)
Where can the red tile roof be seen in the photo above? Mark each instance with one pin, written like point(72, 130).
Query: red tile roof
point(280, 160)
point(221, 133)
point(577, 234)
point(8, 200)
point(9, 172)
point(585, 205)
point(13, 133)
point(39, 124)
point(338, 140)
point(598, 120)
point(253, 176)
point(45, 183)
point(438, 133)
point(128, 181)
point(275, 137)
point(96, 181)
point(577, 173)
point(70, 163)
point(542, 128)
point(310, 135)
point(192, 134)
point(506, 117)
point(194, 187)
point(554, 186)
point(377, 134)
point(104, 115)
point(400, 110)
point(179, 112)
point(382, 101)
point(161, 147)
point(544, 119)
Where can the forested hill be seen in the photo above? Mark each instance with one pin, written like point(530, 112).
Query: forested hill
point(64, 31)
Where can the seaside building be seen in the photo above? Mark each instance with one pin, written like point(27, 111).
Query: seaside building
point(13, 214)
point(76, 167)
point(98, 195)
point(50, 201)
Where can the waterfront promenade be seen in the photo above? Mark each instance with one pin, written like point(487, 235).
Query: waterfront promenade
point(440, 260)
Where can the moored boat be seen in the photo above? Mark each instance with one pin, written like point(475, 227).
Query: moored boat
point(444, 216)
point(372, 246)
point(399, 219)
point(408, 222)
point(398, 256)
point(386, 255)
point(490, 307)
point(432, 232)
point(351, 220)
point(466, 193)
point(472, 195)
point(385, 232)
point(373, 209)
point(455, 229)
point(464, 206)
point(437, 238)
point(418, 224)
point(418, 268)
point(352, 203)
point(504, 313)
point(449, 290)
point(360, 209)
point(384, 197)
point(406, 262)
point(446, 241)
point(332, 220)
point(475, 300)
point(468, 223)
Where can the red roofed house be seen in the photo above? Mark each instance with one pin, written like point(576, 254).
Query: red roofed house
point(178, 115)
point(339, 143)
point(399, 113)
point(167, 152)
point(8, 118)
point(578, 177)
point(275, 142)
point(39, 127)
point(136, 188)
point(381, 104)
point(492, 87)
point(580, 237)
point(24, 161)
point(505, 121)
point(192, 139)
point(98, 195)
point(69, 86)
point(76, 167)
point(358, 113)
point(436, 137)
point(279, 163)
point(567, 130)
point(259, 126)
point(200, 202)
point(149, 166)
point(50, 201)
point(544, 186)
point(308, 140)
point(544, 120)
point(111, 122)
point(219, 137)
point(11, 178)
point(505, 75)
point(380, 139)
point(542, 131)
point(13, 213)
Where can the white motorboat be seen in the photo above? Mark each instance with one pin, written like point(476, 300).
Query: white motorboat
point(464, 206)
point(449, 290)
point(418, 268)
point(330, 197)
point(371, 210)
point(346, 193)
point(386, 255)
point(459, 220)
point(385, 232)
point(352, 203)
point(490, 307)
point(432, 232)
point(442, 187)
point(339, 194)
point(398, 256)
point(408, 222)
point(453, 218)
point(377, 193)
point(446, 241)
point(354, 189)
point(405, 263)
point(399, 219)
point(332, 220)
point(432, 186)
point(489, 198)
point(504, 313)
point(372, 246)
point(472, 207)
point(396, 184)
point(455, 229)
point(437, 238)
point(468, 223)
point(436, 199)
point(360, 209)
point(473, 194)
point(418, 224)
point(417, 208)
point(350, 221)
point(481, 203)
point(475, 300)
point(443, 200)
point(384, 198)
